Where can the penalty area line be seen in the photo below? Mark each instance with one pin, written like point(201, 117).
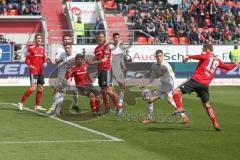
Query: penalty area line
point(69, 123)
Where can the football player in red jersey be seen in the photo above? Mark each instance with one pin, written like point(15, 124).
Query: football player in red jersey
point(200, 80)
point(35, 60)
point(103, 59)
point(84, 82)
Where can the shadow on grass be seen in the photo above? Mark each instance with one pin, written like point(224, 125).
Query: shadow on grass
point(184, 128)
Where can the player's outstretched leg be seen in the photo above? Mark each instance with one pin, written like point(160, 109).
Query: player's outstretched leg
point(114, 99)
point(212, 115)
point(51, 110)
point(58, 99)
point(26, 94)
point(183, 115)
point(95, 104)
point(149, 119)
point(177, 97)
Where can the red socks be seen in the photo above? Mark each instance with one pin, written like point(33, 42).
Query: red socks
point(212, 115)
point(97, 101)
point(105, 100)
point(26, 95)
point(178, 100)
point(95, 104)
point(38, 98)
point(114, 99)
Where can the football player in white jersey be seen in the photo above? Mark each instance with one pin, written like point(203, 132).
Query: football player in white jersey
point(64, 58)
point(162, 71)
point(118, 64)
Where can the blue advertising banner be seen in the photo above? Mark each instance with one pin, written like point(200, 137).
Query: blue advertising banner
point(185, 70)
point(5, 52)
point(182, 70)
point(21, 70)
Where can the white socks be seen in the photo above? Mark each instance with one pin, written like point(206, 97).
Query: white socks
point(75, 99)
point(57, 99)
point(150, 111)
point(120, 98)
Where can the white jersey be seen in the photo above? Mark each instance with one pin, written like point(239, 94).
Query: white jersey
point(165, 74)
point(117, 61)
point(67, 61)
point(116, 50)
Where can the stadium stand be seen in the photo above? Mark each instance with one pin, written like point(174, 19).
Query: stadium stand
point(55, 19)
point(20, 7)
point(138, 21)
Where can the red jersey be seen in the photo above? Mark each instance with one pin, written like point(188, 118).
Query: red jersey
point(80, 75)
point(102, 51)
point(208, 63)
point(36, 57)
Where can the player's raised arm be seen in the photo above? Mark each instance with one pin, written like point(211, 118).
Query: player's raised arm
point(227, 67)
point(197, 57)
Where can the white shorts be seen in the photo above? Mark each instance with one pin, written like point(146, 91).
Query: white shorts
point(166, 88)
point(61, 84)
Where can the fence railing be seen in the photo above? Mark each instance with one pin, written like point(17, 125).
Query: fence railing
point(89, 36)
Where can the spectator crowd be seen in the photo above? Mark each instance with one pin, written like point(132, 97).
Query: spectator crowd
point(20, 7)
point(213, 21)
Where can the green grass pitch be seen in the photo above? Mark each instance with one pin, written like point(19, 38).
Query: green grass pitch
point(29, 136)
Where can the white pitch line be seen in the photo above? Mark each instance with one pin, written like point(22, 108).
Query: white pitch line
point(70, 123)
point(72, 141)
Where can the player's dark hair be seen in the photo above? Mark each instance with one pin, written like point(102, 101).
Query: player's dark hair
point(116, 34)
point(204, 46)
point(79, 55)
point(209, 47)
point(38, 34)
point(67, 44)
point(100, 33)
point(158, 51)
point(66, 35)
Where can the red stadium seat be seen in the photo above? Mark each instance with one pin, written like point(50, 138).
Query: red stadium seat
point(171, 32)
point(231, 4)
point(5, 13)
point(141, 40)
point(13, 12)
point(131, 13)
point(174, 40)
point(201, 30)
point(183, 40)
point(150, 40)
point(238, 4)
point(109, 4)
point(211, 30)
